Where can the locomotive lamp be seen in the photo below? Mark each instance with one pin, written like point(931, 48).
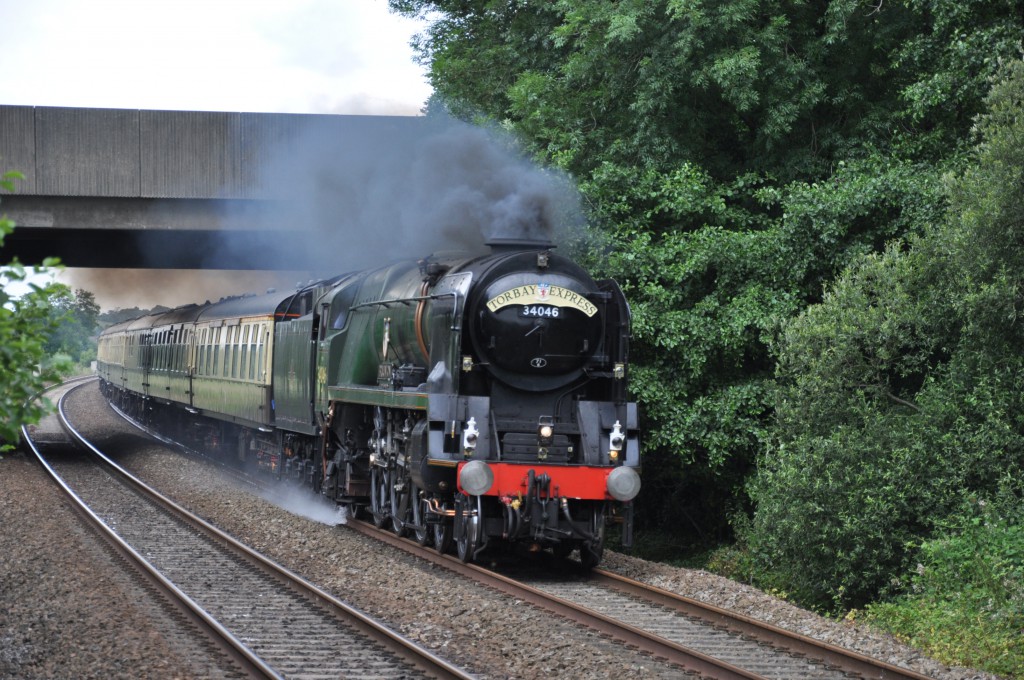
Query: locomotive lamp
point(542, 259)
point(615, 440)
point(470, 436)
point(545, 431)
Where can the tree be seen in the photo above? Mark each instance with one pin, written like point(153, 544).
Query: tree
point(901, 395)
point(736, 86)
point(25, 324)
point(76, 316)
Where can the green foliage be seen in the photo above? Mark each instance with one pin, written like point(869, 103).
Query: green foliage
point(738, 86)
point(964, 602)
point(75, 316)
point(25, 323)
point(736, 158)
point(902, 391)
point(62, 364)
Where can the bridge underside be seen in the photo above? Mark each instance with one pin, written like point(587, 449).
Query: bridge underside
point(156, 233)
point(163, 249)
point(119, 188)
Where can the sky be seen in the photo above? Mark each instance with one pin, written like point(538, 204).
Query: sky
point(268, 56)
point(275, 56)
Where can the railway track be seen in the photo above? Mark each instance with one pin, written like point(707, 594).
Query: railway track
point(698, 637)
point(274, 623)
point(701, 639)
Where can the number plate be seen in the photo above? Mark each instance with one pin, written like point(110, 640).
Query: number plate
point(546, 311)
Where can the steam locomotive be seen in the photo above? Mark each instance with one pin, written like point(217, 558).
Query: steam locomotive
point(480, 400)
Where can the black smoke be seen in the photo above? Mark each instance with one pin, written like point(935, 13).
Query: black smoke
point(403, 188)
point(354, 192)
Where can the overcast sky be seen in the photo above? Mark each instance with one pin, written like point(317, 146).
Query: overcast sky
point(281, 56)
point(275, 56)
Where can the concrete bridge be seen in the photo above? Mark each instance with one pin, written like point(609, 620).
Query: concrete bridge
point(110, 188)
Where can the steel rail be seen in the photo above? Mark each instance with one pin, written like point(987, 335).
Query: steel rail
point(417, 655)
point(684, 657)
point(839, 657)
point(225, 641)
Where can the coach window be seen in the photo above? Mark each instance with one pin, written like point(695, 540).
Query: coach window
point(244, 360)
point(253, 341)
point(179, 359)
point(200, 351)
point(217, 334)
point(229, 348)
point(211, 348)
point(263, 339)
point(230, 370)
point(236, 371)
point(208, 344)
point(209, 351)
point(236, 337)
point(177, 354)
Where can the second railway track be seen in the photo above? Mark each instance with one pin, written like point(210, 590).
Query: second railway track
point(293, 629)
point(710, 641)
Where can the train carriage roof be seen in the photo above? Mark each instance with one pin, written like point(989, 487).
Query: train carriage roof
point(226, 308)
point(240, 307)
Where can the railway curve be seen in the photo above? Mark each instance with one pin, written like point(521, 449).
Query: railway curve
point(276, 624)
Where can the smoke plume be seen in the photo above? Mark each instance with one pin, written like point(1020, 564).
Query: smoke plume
point(404, 191)
point(362, 192)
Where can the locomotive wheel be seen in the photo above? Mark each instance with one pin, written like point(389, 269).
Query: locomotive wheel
point(467, 531)
point(419, 518)
point(378, 499)
point(400, 509)
point(591, 552)
point(443, 533)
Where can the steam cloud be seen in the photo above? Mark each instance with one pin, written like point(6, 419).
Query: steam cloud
point(392, 188)
point(304, 503)
point(406, 190)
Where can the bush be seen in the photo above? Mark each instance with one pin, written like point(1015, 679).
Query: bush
point(25, 325)
point(965, 601)
point(901, 393)
point(61, 364)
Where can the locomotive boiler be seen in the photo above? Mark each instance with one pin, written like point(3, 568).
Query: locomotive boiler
point(475, 400)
